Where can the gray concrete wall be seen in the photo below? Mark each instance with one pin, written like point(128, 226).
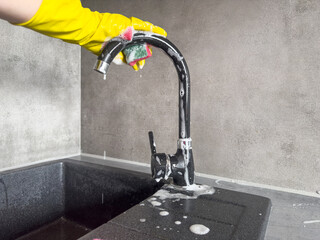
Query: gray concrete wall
point(255, 69)
point(39, 97)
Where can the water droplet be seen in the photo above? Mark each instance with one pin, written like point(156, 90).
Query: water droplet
point(199, 229)
point(164, 213)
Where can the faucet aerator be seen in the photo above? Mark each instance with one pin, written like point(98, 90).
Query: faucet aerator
point(101, 66)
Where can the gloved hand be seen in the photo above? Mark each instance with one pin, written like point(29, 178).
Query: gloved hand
point(69, 21)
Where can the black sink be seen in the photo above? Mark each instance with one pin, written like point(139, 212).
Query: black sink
point(66, 199)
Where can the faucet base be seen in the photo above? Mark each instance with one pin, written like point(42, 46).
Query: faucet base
point(182, 167)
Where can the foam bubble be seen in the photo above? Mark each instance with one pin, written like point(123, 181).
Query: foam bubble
point(199, 229)
point(184, 192)
point(155, 203)
point(164, 213)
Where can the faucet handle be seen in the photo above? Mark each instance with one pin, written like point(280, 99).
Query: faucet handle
point(152, 143)
point(160, 162)
point(159, 166)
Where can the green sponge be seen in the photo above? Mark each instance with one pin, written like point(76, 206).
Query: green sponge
point(137, 53)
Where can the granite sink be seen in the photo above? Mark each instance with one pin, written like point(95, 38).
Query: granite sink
point(64, 200)
point(71, 199)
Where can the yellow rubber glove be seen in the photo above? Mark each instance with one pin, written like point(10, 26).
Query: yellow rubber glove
point(69, 21)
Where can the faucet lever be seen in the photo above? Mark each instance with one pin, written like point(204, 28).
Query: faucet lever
point(152, 143)
point(159, 161)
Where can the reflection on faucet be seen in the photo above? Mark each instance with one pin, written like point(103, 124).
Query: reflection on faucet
point(180, 166)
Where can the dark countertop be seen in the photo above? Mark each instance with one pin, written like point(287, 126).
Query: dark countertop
point(228, 215)
point(290, 208)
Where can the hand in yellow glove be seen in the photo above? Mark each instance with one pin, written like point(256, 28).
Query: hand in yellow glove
point(69, 21)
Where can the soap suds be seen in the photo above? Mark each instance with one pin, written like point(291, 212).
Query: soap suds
point(202, 189)
point(155, 203)
point(186, 156)
point(148, 33)
point(175, 54)
point(168, 168)
point(164, 213)
point(189, 192)
point(199, 229)
point(165, 194)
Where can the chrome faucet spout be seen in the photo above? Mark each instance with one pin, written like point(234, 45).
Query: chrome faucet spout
point(180, 166)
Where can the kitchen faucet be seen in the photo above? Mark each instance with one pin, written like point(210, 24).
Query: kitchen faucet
point(180, 166)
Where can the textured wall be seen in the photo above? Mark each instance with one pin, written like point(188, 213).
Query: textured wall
point(39, 97)
point(255, 69)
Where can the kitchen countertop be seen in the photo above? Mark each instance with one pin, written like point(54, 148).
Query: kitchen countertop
point(170, 213)
point(293, 216)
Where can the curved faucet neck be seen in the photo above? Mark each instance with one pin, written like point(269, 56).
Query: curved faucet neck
point(116, 45)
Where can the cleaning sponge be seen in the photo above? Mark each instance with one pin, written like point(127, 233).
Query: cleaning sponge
point(137, 53)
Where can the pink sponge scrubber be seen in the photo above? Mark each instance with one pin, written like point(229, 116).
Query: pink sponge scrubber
point(137, 53)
